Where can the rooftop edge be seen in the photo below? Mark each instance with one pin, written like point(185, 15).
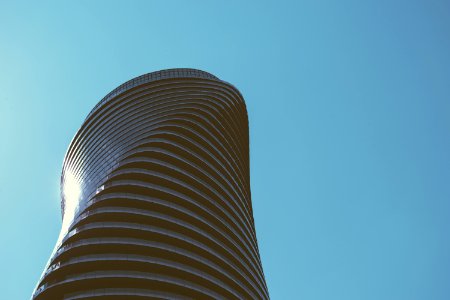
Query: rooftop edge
point(150, 77)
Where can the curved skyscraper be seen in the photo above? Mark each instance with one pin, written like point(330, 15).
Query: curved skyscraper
point(156, 197)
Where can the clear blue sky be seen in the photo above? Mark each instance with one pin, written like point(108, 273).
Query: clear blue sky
point(349, 106)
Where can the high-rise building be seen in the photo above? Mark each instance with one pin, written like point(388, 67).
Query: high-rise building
point(156, 197)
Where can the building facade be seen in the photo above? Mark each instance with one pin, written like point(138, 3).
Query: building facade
point(156, 200)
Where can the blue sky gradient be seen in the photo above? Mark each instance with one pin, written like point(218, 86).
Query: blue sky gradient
point(349, 108)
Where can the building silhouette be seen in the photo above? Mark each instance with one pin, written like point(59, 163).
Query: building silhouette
point(156, 197)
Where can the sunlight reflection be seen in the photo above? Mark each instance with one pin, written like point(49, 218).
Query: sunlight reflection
point(71, 194)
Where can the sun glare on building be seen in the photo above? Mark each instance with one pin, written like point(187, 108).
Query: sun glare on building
point(71, 194)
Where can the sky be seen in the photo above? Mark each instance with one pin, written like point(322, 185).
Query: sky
point(349, 111)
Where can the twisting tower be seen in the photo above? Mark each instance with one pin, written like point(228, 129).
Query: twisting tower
point(156, 196)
